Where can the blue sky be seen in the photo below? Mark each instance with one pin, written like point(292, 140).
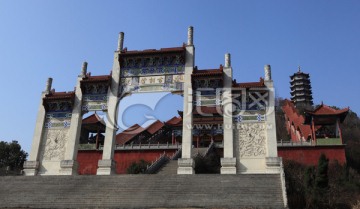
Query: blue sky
point(40, 39)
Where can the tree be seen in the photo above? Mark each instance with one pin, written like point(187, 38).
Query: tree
point(281, 132)
point(351, 135)
point(12, 157)
point(317, 184)
point(209, 164)
point(137, 167)
point(310, 192)
point(309, 178)
point(295, 189)
point(321, 179)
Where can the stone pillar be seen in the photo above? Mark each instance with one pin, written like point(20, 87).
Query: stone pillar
point(190, 41)
point(267, 70)
point(228, 162)
point(120, 42)
point(48, 85)
point(32, 165)
point(339, 130)
point(337, 127)
point(227, 60)
point(106, 165)
point(84, 69)
point(272, 160)
point(186, 163)
point(172, 137)
point(69, 166)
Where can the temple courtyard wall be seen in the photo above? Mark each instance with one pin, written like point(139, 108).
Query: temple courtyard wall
point(309, 155)
point(306, 155)
point(88, 159)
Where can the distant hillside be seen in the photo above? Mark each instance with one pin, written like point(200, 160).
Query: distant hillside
point(343, 189)
point(351, 135)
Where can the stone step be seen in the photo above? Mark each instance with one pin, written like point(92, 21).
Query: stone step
point(169, 168)
point(142, 191)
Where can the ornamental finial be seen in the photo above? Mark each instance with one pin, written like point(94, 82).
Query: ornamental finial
point(120, 42)
point(227, 60)
point(190, 36)
point(48, 84)
point(267, 69)
point(299, 68)
point(84, 69)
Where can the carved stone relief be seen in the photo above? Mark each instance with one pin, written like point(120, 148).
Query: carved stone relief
point(152, 65)
point(252, 140)
point(95, 88)
point(54, 144)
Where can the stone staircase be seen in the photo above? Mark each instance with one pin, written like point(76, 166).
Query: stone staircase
point(169, 168)
point(142, 191)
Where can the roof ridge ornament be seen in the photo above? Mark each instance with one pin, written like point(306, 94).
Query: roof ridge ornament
point(267, 69)
point(48, 85)
point(227, 60)
point(84, 69)
point(120, 42)
point(190, 41)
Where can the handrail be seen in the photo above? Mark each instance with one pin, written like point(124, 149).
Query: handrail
point(155, 166)
point(142, 147)
point(176, 155)
point(283, 184)
point(148, 146)
point(293, 144)
point(202, 153)
point(212, 144)
point(87, 146)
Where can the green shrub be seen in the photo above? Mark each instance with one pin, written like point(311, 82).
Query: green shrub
point(137, 167)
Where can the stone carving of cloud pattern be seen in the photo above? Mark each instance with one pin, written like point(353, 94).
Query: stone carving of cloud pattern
point(252, 140)
point(55, 144)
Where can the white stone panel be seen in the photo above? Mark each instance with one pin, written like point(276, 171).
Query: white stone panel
point(252, 140)
point(51, 167)
point(251, 144)
point(52, 150)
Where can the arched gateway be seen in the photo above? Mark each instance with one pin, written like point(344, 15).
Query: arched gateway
point(247, 111)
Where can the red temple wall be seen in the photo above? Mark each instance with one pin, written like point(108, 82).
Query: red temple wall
point(88, 159)
point(310, 155)
point(125, 158)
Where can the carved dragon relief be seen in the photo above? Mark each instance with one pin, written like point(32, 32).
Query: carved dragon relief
point(252, 139)
point(54, 145)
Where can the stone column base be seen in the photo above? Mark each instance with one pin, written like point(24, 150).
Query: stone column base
point(273, 164)
point(69, 167)
point(186, 166)
point(106, 167)
point(31, 168)
point(228, 166)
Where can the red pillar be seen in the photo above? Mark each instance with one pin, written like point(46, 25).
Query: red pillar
point(97, 139)
point(173, 138)
point(313, 129)
point(340, 133)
